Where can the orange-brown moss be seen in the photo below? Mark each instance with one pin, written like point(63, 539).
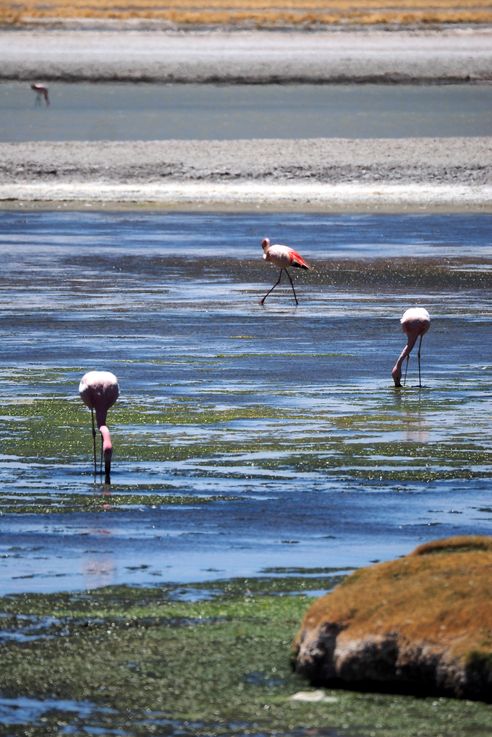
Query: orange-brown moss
point(423, 596)
point(459, 544)
point(438, 599)
point(268, 13)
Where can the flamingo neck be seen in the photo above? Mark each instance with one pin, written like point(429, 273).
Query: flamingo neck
point(106, 437)
point(101, 414)
point(405, 352)
point(412, 335)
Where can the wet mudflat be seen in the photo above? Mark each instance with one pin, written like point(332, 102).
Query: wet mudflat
point(265, 446)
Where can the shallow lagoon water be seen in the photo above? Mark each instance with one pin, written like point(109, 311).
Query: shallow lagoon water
point(127, 111)
point(248, 441)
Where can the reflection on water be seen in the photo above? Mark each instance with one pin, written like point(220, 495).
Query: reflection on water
point(416, 427)
point(245, 438)
point(22, 710)
point(99, 567)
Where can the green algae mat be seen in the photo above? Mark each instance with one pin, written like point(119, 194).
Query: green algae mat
point(206, 660)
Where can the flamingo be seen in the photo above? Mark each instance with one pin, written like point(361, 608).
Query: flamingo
point(41, 91)
point(282, 257)
point(99, 390)
point(415, 323)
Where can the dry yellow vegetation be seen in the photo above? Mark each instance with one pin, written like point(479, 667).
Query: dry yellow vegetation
point(256, 13)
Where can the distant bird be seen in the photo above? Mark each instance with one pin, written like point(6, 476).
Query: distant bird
point(99, 390)
point(41, 92)
point(415, 323)
point(282, 257)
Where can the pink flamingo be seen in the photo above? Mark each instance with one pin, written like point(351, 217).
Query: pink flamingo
point(99, 390)
point(282, 257)
point(415, 323)
point(41, 91)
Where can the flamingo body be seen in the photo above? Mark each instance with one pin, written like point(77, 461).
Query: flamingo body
point(283, 257)
point(99, 390)
point(415, 322)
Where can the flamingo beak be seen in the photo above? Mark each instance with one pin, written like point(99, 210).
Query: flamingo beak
point(107, 452)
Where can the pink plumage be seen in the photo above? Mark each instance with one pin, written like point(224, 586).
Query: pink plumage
point(99, 390)
point(41, 91)
point(283, 257)
point(414, 323)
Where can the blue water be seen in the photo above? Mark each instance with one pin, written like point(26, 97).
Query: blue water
point(286, 414)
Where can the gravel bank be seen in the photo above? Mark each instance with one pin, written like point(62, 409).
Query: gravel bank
point(319, 174)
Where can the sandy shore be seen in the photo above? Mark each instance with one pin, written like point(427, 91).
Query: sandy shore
point(316, 174)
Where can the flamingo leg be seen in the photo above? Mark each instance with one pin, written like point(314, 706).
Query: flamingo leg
point(94, 441)
point(271, 290)
point(406, 369)
point(418, 356)
point(292, 285)
point(101, 459)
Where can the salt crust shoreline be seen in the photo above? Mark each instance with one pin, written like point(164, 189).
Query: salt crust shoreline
point(263, 197)
point(433, 174)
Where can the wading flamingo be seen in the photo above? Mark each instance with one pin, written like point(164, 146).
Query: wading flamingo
point(41, 91)
point(99, 390)
point(415, 323)
point(282, 257)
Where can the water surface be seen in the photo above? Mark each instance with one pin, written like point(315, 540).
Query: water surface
point(247, 439)
point(191, 111)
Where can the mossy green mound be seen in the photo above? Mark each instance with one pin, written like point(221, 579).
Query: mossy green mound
point(420, 624)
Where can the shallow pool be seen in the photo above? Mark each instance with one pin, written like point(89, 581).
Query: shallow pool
point(247, 439)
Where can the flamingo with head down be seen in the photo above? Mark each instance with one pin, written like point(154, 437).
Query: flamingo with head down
point(99, 390)
point(41, 91)
point(415, 323)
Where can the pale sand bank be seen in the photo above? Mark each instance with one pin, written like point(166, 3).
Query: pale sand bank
point(113, 53)
point(315, 174)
